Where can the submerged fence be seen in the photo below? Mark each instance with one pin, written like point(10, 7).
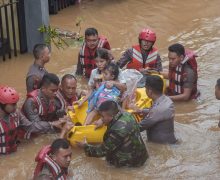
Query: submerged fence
point(12, 28)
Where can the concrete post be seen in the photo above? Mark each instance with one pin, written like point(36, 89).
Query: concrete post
point(36, 15)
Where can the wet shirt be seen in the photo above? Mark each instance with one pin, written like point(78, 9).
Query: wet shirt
point(189, 78)
point(123, 144)
point(128, 56)
point(30, 109)
point(159, 122)
point(34, 76)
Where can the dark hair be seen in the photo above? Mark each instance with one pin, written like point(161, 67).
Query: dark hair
point(155, 83)
point(218, 83)
point(68, 76)
point(48, 79)
point(59, 143)
point(38, 49)
point(102, 53)
point(177, 48)
point(113, 69)
point(91, 32)
point(109, 106)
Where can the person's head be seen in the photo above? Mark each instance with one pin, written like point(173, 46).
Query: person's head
point(217, 89)
point(49, 85)
point(108, 110)
point(111, 72)
point(154, 86)
point(68, 86)
point(176, 54)
point(61, 152)
point(8, 99)
point(42, 53)
point(91, 38)
point(102, 58)
point(147, 39)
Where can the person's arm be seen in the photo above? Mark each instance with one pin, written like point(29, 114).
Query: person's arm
point(32, 83)
point(121, 86)
point(155, 115)
point(182, 97)
point(159, 64)
point(79, 68)
point(109, 145)
point(188, 84)
point(85, 98)
point(126, 58)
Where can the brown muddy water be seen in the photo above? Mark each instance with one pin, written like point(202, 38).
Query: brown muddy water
point(195, 24)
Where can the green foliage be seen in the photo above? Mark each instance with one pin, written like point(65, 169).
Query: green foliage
point(52, 36)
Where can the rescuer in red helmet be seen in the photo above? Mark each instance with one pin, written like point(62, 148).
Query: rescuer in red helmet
point(13, 122)
point(9, 120)
point(144, 55)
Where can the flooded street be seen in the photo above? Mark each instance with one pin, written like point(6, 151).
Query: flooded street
point(195, 24)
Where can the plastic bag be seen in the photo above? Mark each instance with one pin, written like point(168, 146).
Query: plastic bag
point(132, 77)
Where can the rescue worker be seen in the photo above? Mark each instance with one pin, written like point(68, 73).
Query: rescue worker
point(123, 144)
point(53, 161)
point(66, 94)
point(217, 93)
point(182, 74)
point(159, 119)
point(39, 106)
point(36, 71)
point(86, 60)
point(144, 55)
point(12, 120)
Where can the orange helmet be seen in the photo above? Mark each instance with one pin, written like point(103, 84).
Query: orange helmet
point(8, 95)
point(148, 35)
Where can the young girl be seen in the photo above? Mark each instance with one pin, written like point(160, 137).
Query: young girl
point(102, 59)
point(108, 90)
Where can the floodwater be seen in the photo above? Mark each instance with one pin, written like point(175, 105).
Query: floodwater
point(195, 24)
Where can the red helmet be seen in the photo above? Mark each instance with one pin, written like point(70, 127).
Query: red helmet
point(8, 95)
point(148, 35)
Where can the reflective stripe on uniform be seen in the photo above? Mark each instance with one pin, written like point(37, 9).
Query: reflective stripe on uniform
point(55, 167)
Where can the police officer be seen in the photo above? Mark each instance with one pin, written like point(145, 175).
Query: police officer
point(39, 106)
point(159, 119)
point(123, 144)
point(37, 70)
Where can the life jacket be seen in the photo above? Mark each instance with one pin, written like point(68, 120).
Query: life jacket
point(87, 56)
point(176, 75)
point(137, 59)
point(43, 159)
point(8, 134)
point(63, 101)
point(44, 110)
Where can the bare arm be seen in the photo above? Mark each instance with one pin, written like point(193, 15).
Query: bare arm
point(182, 97)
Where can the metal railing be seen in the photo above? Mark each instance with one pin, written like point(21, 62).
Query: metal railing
point(12, 27)
point(57, 5)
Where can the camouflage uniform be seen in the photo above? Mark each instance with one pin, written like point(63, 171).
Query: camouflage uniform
point(123, 144)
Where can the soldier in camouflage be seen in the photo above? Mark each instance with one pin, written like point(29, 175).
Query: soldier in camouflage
point(122, 142)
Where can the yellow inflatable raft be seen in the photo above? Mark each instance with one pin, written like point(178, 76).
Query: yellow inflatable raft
point(79, 131)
